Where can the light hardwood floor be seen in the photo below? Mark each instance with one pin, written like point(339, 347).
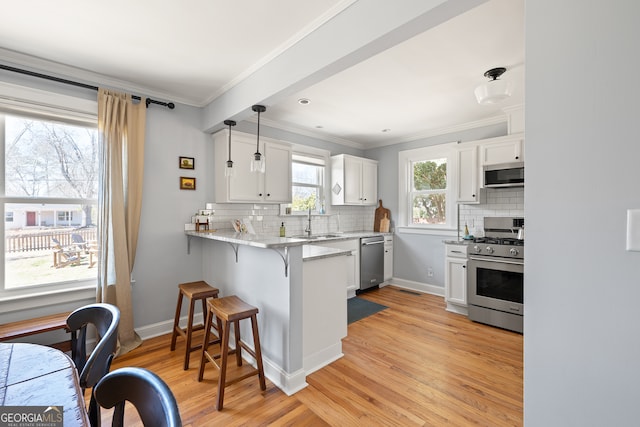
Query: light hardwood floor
point(413, 364)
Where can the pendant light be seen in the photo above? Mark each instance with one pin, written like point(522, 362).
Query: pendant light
point(257, 162)
point(495, 90)
point(228, 171)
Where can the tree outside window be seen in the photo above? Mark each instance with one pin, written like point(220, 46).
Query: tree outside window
point(429, 191)
point(307, 184)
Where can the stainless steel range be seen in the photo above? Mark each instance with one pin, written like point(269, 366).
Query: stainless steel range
point(495, 281)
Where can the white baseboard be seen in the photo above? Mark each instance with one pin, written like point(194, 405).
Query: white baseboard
point(418, 286)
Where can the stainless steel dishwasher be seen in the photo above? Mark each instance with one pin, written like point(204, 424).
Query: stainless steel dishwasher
point(371, 262)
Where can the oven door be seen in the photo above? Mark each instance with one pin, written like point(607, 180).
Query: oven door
point(497, 284)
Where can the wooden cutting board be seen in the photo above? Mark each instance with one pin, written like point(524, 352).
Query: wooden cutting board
point(381, 213)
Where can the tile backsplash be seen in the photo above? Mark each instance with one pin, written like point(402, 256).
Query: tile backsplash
point(266, 219)
point(497, 202)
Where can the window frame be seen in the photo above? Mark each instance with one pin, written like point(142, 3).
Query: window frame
point(406, 160)
point(320, 155)
point(43, 105)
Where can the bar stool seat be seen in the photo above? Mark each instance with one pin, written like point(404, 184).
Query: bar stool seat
point(193, 291)
point(229, 310)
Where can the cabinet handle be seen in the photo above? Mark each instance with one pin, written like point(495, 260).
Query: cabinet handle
point(260, 194)
point(517, 157)
point(473, 195)
point(464, 266)
point(268, 194)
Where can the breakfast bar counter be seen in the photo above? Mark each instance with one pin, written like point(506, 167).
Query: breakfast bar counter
point(299, 290)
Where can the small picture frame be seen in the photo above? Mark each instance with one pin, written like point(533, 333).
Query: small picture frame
point(187, 183)
point(186, 162)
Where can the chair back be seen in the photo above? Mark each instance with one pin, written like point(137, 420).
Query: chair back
point(151, 396)
point(105, 318)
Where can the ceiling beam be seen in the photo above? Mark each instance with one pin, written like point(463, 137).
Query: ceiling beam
point(362, 30)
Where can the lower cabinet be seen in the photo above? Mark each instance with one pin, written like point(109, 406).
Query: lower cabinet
point(455, 278)
point(353, 262)
point(388, 258)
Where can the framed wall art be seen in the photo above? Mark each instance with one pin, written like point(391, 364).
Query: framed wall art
point(186, 162)
point(187, 183)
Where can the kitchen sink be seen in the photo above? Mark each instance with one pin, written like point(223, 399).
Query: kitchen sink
point(318, 236)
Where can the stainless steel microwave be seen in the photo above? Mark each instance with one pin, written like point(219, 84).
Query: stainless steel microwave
point(504, 175)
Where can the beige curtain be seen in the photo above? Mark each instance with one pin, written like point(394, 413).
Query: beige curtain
point(121, 125)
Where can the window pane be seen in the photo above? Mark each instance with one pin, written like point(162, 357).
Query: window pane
point(429, 209)
point(304, 198)
point(306, 174)
point(42, 249)
point(49, 159)
point(430, 175)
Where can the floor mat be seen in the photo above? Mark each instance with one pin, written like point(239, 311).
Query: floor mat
point(358, 308)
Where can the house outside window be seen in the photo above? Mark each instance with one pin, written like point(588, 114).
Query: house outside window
point(50, 193)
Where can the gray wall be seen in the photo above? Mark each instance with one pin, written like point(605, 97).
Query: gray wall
point(413, 254)
point(581, 325)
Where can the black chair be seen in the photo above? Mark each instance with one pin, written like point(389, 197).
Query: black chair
point(105, 319)
point(151, 396)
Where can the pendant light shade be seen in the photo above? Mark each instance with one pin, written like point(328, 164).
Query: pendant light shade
point(257, 161)
point(495, 90)
point(228, 171)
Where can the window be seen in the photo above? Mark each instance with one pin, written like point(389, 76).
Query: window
point(307, 176)
point(49, 198)
point(428, 194)
point(427, 184)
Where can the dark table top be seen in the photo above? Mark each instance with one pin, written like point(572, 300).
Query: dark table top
point(36, 375)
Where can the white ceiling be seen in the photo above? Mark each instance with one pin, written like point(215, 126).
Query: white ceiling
point(194, 52)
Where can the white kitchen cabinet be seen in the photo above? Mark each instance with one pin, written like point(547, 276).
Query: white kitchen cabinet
point(353, 262)
point(467, 170)
point(273, 186)
point(388, 258)
point(354, 180)
point(507, 149)
point(455, 278)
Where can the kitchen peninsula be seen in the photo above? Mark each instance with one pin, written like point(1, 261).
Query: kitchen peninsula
point(299, 290)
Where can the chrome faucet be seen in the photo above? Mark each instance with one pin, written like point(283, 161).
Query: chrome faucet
point(308, 229)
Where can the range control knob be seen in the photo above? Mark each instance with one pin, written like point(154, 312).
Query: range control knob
point(514, 251)
point(489, 249)
point(477, 249)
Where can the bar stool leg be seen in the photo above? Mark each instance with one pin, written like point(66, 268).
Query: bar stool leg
point(258, 351)
point(224, 351)
point(187, 353)
point(205, 343)
point(176, 321)
point(238, 346)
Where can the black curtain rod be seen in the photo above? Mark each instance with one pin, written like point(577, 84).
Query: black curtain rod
point(169, 105)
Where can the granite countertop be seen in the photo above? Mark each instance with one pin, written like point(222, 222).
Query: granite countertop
point(314, 252)
point(458, 242)
point(267, 241)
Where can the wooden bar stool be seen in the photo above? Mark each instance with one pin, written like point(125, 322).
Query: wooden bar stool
point(229, 310)
point(193, 291)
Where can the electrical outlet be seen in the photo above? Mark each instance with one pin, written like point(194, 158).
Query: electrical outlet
point(430, 271)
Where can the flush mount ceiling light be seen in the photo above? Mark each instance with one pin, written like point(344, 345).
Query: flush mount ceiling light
point(495, 90)
point(257, 161)
point(228, 171)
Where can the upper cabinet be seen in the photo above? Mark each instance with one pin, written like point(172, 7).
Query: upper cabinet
point(354, 180)
point(507, 149)
point(273, 186)
point(468, 174)
point(472, 156)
